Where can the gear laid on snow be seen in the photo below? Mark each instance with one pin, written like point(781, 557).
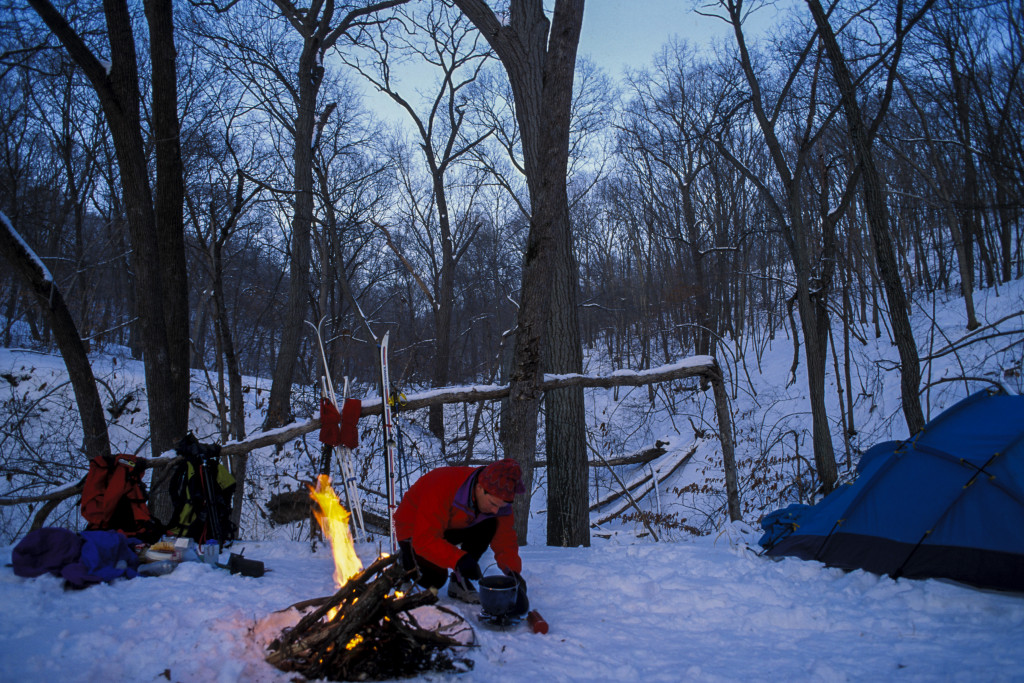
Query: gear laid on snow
point(46, 550)
point(80, 559)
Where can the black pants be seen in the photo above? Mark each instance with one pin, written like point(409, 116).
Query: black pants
point(474, 540)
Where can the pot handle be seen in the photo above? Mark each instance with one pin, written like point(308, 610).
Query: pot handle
point(514, 576)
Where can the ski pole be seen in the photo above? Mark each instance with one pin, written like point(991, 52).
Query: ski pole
point(351, 489)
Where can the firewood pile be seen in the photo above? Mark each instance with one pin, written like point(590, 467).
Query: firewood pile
point(368, 631)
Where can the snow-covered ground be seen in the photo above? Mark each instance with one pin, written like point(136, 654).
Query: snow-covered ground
point(628, 608)
point(623, 610)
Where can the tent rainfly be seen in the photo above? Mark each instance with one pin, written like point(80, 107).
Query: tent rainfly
point(946, 503)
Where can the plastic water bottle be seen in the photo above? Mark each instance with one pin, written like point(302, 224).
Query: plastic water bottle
point(157, 568)
point(211, 553)
point(189, 551)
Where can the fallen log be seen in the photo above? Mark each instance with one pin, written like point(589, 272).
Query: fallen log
point(286, 507)
point(639, 458)
point(696, 366)
point(643, 485)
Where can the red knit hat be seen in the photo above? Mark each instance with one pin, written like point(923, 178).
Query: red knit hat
point(502, 479)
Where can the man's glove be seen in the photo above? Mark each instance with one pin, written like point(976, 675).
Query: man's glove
point(522, 605)
point(520, 581)
point(407, 557)
point(467, 568)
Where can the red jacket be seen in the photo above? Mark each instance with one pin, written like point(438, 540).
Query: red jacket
point(434, 504)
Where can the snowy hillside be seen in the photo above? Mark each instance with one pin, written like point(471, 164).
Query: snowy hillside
point(770, 413)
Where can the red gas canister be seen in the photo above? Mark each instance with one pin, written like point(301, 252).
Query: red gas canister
point(537, 622)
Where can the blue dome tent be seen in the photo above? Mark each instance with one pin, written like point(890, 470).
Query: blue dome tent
point(946, 503)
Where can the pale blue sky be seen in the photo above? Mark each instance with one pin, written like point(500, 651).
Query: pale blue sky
point(627, 33)
point(621, 34)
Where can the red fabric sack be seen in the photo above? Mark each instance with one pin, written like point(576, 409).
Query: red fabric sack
point(330, 428)
point(350, 422)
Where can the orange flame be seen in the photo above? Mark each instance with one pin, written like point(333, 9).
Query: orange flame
point(333, 521)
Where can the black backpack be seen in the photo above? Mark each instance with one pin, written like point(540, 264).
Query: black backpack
point(201, 491)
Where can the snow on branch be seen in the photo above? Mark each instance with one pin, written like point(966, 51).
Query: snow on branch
point(696, 366)
point(14, 241)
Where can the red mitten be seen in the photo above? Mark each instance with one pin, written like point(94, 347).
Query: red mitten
point(330, 429)
point(349, 435)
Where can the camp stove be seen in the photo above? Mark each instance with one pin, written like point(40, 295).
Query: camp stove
point(503, 622)
point(498, 600)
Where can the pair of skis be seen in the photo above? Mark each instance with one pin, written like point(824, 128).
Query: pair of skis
point(352, 496)
point(390, 442)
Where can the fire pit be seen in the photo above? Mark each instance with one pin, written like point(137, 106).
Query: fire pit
point(369, 630)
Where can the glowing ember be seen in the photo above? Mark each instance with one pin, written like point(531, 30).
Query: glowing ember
point(355, 641)
point(333, 520)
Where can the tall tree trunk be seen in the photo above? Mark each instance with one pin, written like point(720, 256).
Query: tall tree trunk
point(878, 223)
point(703, 344)
point(539, 57)
point(812, 293)
point(444, 302)
point(169, 203)
point(566, 439)
point(157, 244)
point(814, 322)
point(811, 304)
point(310, 75)
point(319, 34)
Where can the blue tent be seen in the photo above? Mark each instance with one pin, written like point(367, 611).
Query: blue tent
point(948, 502)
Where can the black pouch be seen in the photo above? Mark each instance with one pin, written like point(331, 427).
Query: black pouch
point(239, 565)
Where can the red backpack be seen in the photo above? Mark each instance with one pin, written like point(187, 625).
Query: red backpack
point(114, 498)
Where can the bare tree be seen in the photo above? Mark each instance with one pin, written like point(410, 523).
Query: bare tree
point(663, 140)
point(539, 56)
point(44, 290)
point(862, 133)
point(593, 101)
point(443, 39)
point(792, 135)
point(154, 217)
point(320, 26)
point(354, 185)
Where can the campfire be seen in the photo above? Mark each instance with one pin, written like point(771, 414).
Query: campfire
point(369, 629)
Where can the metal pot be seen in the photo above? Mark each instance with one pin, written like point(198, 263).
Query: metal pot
point(497, 594)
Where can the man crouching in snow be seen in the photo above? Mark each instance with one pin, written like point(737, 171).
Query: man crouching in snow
point(447, 519)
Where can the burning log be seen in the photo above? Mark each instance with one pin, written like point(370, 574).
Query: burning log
point(368, 631)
